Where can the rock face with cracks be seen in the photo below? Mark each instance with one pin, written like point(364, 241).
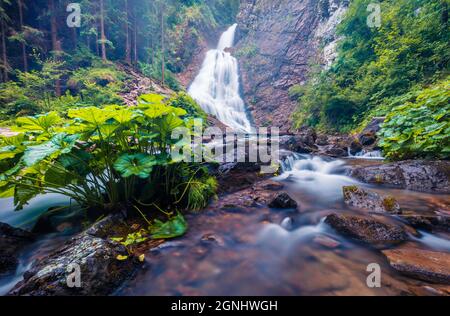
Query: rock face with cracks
point(276, 42)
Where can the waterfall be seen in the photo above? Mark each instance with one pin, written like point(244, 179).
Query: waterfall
point(216, 87)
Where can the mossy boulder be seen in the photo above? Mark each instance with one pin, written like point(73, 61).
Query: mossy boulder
point(370, 201)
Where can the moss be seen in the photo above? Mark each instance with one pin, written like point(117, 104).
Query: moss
point(379, 179)
point(389, 203)
point(348, 190)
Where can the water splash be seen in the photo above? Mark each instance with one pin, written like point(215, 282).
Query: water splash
point(315, 175)
point(369, 155)
point(216, 87)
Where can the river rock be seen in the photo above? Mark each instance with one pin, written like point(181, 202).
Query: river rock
point(421, 264)
point(423, 176)
point(326, 242)
point(374, 126)
point(366, 229)
point(335, 150)
point(283, 201)
point(271, 185)
point(429, 221)
point(355, 147)
point(322, 140)
point(369, 200)
point(236, 176)
point(12, 240)
point(303, 143)
point(101, 272)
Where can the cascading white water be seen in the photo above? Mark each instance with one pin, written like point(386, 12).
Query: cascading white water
point(318, 176)
point(216, 87)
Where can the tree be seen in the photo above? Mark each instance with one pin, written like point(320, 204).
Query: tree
point(56, 44)
point(102, 30)
point(21, 7)
point(127, 34)
point(163, 48)
point(4, 19)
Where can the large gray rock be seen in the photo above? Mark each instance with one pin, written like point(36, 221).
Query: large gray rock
point(12, 240)
point(367, 229)
point(369, 200)
point(424, 265)
point(304, 142)
point(283, 201)
point(101, 272)
point(424, 176)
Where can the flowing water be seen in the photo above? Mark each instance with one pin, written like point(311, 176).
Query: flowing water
point(216, 88)
point(255, 250)
point(259, 251)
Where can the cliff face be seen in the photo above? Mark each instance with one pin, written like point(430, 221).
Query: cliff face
point(277, 42)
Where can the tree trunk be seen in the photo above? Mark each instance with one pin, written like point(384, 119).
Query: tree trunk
point(4, 54)
point(75, 38)
point(56, 45)
point(97, 47)
point(163, 60)
point(135, 40)
point(127, 34)
point(102, 30)
point(444, 12)
point(24, 47)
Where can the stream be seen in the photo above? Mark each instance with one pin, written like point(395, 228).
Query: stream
point(259, 251)
point(254, 251)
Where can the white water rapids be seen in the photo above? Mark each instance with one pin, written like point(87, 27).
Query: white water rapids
point(216, 87)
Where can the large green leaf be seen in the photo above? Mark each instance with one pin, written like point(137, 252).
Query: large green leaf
point(140, 165)
point(8, 152)
point(40, 123)
point(175, 227)
point(6, 190)
point(157, 110)
point(59, 144)
point(123, 116)
point(25, 192)
point(151, 98)
point(92, 115)
point(76, 161)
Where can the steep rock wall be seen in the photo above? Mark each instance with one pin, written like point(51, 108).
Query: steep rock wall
point(277, 42)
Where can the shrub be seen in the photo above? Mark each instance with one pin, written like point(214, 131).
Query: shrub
point(112, 158)
point(420, 126)
point(184, 101)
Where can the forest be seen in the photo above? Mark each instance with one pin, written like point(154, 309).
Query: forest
point(349, 99)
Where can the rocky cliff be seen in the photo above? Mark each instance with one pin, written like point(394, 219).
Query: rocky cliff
point(277, 43)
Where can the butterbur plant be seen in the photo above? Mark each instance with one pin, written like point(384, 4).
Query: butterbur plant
point(114, 158)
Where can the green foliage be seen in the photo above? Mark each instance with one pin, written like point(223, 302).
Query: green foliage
point(154, 71)
point(173, 228)
point(248, 51)
point(376, 64)
point(106, 158)
point(420, 126)
point(200, 192)
point(184, 101)
point(34, 91)
point(97, 85)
